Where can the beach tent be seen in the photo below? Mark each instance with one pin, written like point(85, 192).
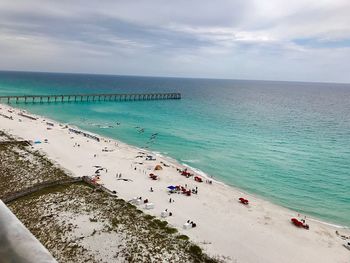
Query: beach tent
point(158, 167)
point(164, 214)
point(186, 226)
point(37, 142)
point(149, 206)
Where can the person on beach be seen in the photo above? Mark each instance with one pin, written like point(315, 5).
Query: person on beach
point(151, 189)
point(169, 200)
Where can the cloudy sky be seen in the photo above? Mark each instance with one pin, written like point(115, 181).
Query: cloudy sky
point(307, 40)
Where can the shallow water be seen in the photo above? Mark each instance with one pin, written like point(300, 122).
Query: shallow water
point(285, 141)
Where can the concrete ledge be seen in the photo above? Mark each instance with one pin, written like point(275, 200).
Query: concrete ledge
point(17, 244)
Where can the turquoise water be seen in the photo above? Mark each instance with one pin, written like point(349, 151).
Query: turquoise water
point(287, 142)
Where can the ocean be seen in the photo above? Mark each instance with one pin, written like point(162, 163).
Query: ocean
point(287, 142)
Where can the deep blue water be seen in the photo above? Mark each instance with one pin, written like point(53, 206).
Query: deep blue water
point(287, 142)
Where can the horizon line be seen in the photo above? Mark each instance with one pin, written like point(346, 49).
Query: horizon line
point(170, 77)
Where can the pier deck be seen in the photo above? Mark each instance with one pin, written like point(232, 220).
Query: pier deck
point(90, 97)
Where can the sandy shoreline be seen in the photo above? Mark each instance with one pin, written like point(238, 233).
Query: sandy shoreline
point(260, 232)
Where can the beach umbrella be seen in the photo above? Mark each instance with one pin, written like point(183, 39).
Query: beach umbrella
point(158, 167)
point(171, 187)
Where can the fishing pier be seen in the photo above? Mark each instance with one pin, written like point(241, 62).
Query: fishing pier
point(90, 97)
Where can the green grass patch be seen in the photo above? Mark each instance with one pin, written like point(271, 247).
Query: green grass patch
point(171, 230)
point(160, 223)
point(149, 217)
point(182, 237)
point(195, 251)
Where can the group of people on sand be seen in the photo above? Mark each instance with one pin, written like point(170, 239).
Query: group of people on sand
point(145, 201)
point(188, 174)
point(344, 237)
point(195, 190)
point(184, 190)
point(177, 189)
point(191, 223)
point(303, 219)
point(169, 213)
point(301, 223)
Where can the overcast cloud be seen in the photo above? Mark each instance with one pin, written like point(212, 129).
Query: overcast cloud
point(243, 39)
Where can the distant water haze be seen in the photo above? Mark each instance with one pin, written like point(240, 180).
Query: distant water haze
point(287, 142)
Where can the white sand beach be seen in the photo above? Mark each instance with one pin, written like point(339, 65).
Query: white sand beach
point(258, 232)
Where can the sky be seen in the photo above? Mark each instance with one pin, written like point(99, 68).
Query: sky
point(302, 40)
